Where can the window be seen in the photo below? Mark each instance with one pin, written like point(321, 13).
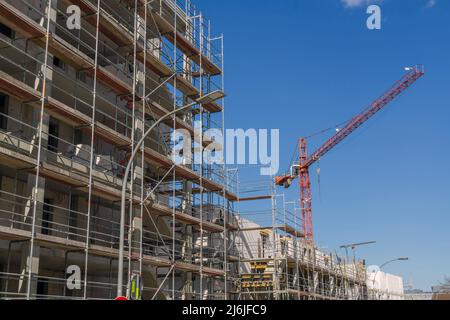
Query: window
point(77, 137)
point(53, 131)
point(130, 68)
point(5, 30)
point(57, 62)
point(3, 112)
point(42, 287)
point(47, 217)
point(73, 217)
point(82, 76)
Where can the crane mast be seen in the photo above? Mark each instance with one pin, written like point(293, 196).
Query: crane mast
point(301, 170)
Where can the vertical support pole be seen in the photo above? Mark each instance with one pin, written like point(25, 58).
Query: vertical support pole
point(297, 249)
point(226, 202)
point(8, 265)
point(92, 159)
point(201, 158)
point(283, 249)
point(133, 138)
point(274, 245)
point(66, 253)
point(187, 204)
point(174, 218)
point(144, 101)
point(39, 154)
point(209, 40)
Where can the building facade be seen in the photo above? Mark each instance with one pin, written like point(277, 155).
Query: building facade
point(80, 82)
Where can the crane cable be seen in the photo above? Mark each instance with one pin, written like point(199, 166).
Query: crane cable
point(318, 180)
point(336, 127)
point(293, 155)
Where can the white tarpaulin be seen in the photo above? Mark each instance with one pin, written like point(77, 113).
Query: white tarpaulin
point(387, 286)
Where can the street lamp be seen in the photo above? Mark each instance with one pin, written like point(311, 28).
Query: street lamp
point(393, 260)
point(384, 264)
point(353, 246)
point(208, 98)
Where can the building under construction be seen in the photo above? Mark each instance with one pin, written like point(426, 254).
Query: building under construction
point(75, 98)
point(277, 262)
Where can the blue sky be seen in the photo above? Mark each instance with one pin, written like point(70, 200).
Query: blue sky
point(302, 66)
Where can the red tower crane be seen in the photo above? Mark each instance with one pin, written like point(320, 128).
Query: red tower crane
point(301, 170)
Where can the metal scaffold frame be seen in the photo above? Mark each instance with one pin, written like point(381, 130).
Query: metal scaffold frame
point(132, 64)
point(277, 262)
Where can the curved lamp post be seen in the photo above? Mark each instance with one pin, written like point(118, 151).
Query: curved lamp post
point(384, 264)
point(210, 97)
point(393, 260)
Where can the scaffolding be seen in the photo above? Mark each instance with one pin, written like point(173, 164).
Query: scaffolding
point(74, 103)
point(276, 261)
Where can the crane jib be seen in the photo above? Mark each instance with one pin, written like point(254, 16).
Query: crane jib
point(360, 119)
point(301, 171)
